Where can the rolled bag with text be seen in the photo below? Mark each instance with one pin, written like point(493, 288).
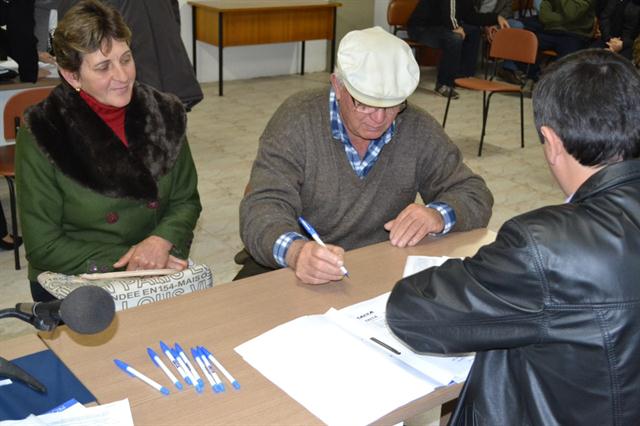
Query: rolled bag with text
point(131, 292)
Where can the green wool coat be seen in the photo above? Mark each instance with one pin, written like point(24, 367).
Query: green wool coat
point(85, 198)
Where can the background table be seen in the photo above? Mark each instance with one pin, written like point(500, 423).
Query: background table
point(226, 23)
point(225, 316)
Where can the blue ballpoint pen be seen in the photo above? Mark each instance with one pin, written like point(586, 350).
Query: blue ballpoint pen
point(192, 370)
point(212, 370)
point(312, 232)
point(135, 373)
point(167, 351)
point(158, 362)
point(214, 381)
point(219, 366)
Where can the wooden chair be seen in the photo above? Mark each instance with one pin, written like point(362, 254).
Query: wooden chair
point(13, 118)
point(398, 14)
point(508, 44)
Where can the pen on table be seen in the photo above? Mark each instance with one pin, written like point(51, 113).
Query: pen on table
point(158, 362)
point(195, 353)
point(384, 345)
point(209, 366)
point(219, 366)
point(167, 351)
point(314, 234)
point(188, 372)
point(135, 373)
point(190, 366)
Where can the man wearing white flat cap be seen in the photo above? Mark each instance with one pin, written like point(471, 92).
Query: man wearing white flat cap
point(351, 159)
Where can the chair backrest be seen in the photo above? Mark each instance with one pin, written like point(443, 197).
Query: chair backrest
point(17, 104)
point(514, 44)
point(399, 12)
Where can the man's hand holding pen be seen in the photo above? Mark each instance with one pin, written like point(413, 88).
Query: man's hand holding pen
point(315, 264)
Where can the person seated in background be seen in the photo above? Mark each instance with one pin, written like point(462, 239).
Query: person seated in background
point(42, 17)
point(17, 40)
point(619, 26)
point(161, 58)
point(508, 70)
point(7, 241)
point(564, 26)
point(454, 27)
point(551, 308)
point(105, 178)
point(351, 159)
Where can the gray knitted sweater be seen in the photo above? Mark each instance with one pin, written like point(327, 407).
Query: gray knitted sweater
point(300, 169)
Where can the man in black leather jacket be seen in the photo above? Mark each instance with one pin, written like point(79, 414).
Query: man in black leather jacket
point(552, 307)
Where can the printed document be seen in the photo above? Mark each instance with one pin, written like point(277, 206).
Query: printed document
point(346, 367)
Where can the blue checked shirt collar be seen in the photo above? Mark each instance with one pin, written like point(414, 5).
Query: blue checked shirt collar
point(339, 132)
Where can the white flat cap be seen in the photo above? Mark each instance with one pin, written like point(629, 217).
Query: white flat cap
point(376, 67)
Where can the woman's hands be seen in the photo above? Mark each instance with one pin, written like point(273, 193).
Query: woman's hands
point(150, 253)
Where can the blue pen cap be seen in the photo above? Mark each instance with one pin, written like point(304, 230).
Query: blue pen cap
point(178, 347)
point(307, 226)
point(153, 355)
point(123, 366)
point(163, 346)
point(164, 390)
point(204, 351)
point(194, 353)
point(236, 385)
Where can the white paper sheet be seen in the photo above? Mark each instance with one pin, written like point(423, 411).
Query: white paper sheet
point(114, 414)
point(416, 264)
point(329, 364)
point(371, 313)
point(335, 376)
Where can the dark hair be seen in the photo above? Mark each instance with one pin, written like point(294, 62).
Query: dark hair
point(88, 26)
point(591, 99)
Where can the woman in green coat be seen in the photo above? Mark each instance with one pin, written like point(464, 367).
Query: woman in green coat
point(105, 178)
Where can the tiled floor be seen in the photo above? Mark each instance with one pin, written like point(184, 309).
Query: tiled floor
point(223, 133)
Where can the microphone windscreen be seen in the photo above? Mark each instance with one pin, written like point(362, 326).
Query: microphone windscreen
point(88, 310)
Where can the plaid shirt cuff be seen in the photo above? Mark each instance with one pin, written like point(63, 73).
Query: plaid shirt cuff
point(281, 247)
point(448, 215)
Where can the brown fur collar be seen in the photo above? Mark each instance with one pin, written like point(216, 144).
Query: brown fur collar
point(85, 148)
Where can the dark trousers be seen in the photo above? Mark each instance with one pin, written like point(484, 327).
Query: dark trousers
point(459, 56)
point(3, 223)
point(39, 294)
point(561, 42)
point(249, 266)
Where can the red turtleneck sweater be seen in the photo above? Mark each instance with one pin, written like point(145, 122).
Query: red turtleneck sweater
point(113, 116)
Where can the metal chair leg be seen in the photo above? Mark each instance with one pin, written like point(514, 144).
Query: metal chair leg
point(521, 119)
point(14, 221)
point(485, 115)
point(446, 110)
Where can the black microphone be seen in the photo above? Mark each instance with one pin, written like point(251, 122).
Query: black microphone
point(86, 310)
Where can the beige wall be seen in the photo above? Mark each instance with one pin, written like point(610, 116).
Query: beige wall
point(353, 15)
point(274, 59)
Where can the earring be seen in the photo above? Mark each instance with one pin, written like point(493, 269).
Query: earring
point(78, 89)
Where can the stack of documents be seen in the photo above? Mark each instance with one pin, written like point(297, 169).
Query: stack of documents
point(114, 414)
point(346, 366)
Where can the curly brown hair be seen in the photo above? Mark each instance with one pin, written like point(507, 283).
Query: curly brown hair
point(88, 26)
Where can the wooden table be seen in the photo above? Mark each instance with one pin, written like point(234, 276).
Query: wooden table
point(16, 84)
point(20, 346)
point(227, 315)
point(226, 23)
